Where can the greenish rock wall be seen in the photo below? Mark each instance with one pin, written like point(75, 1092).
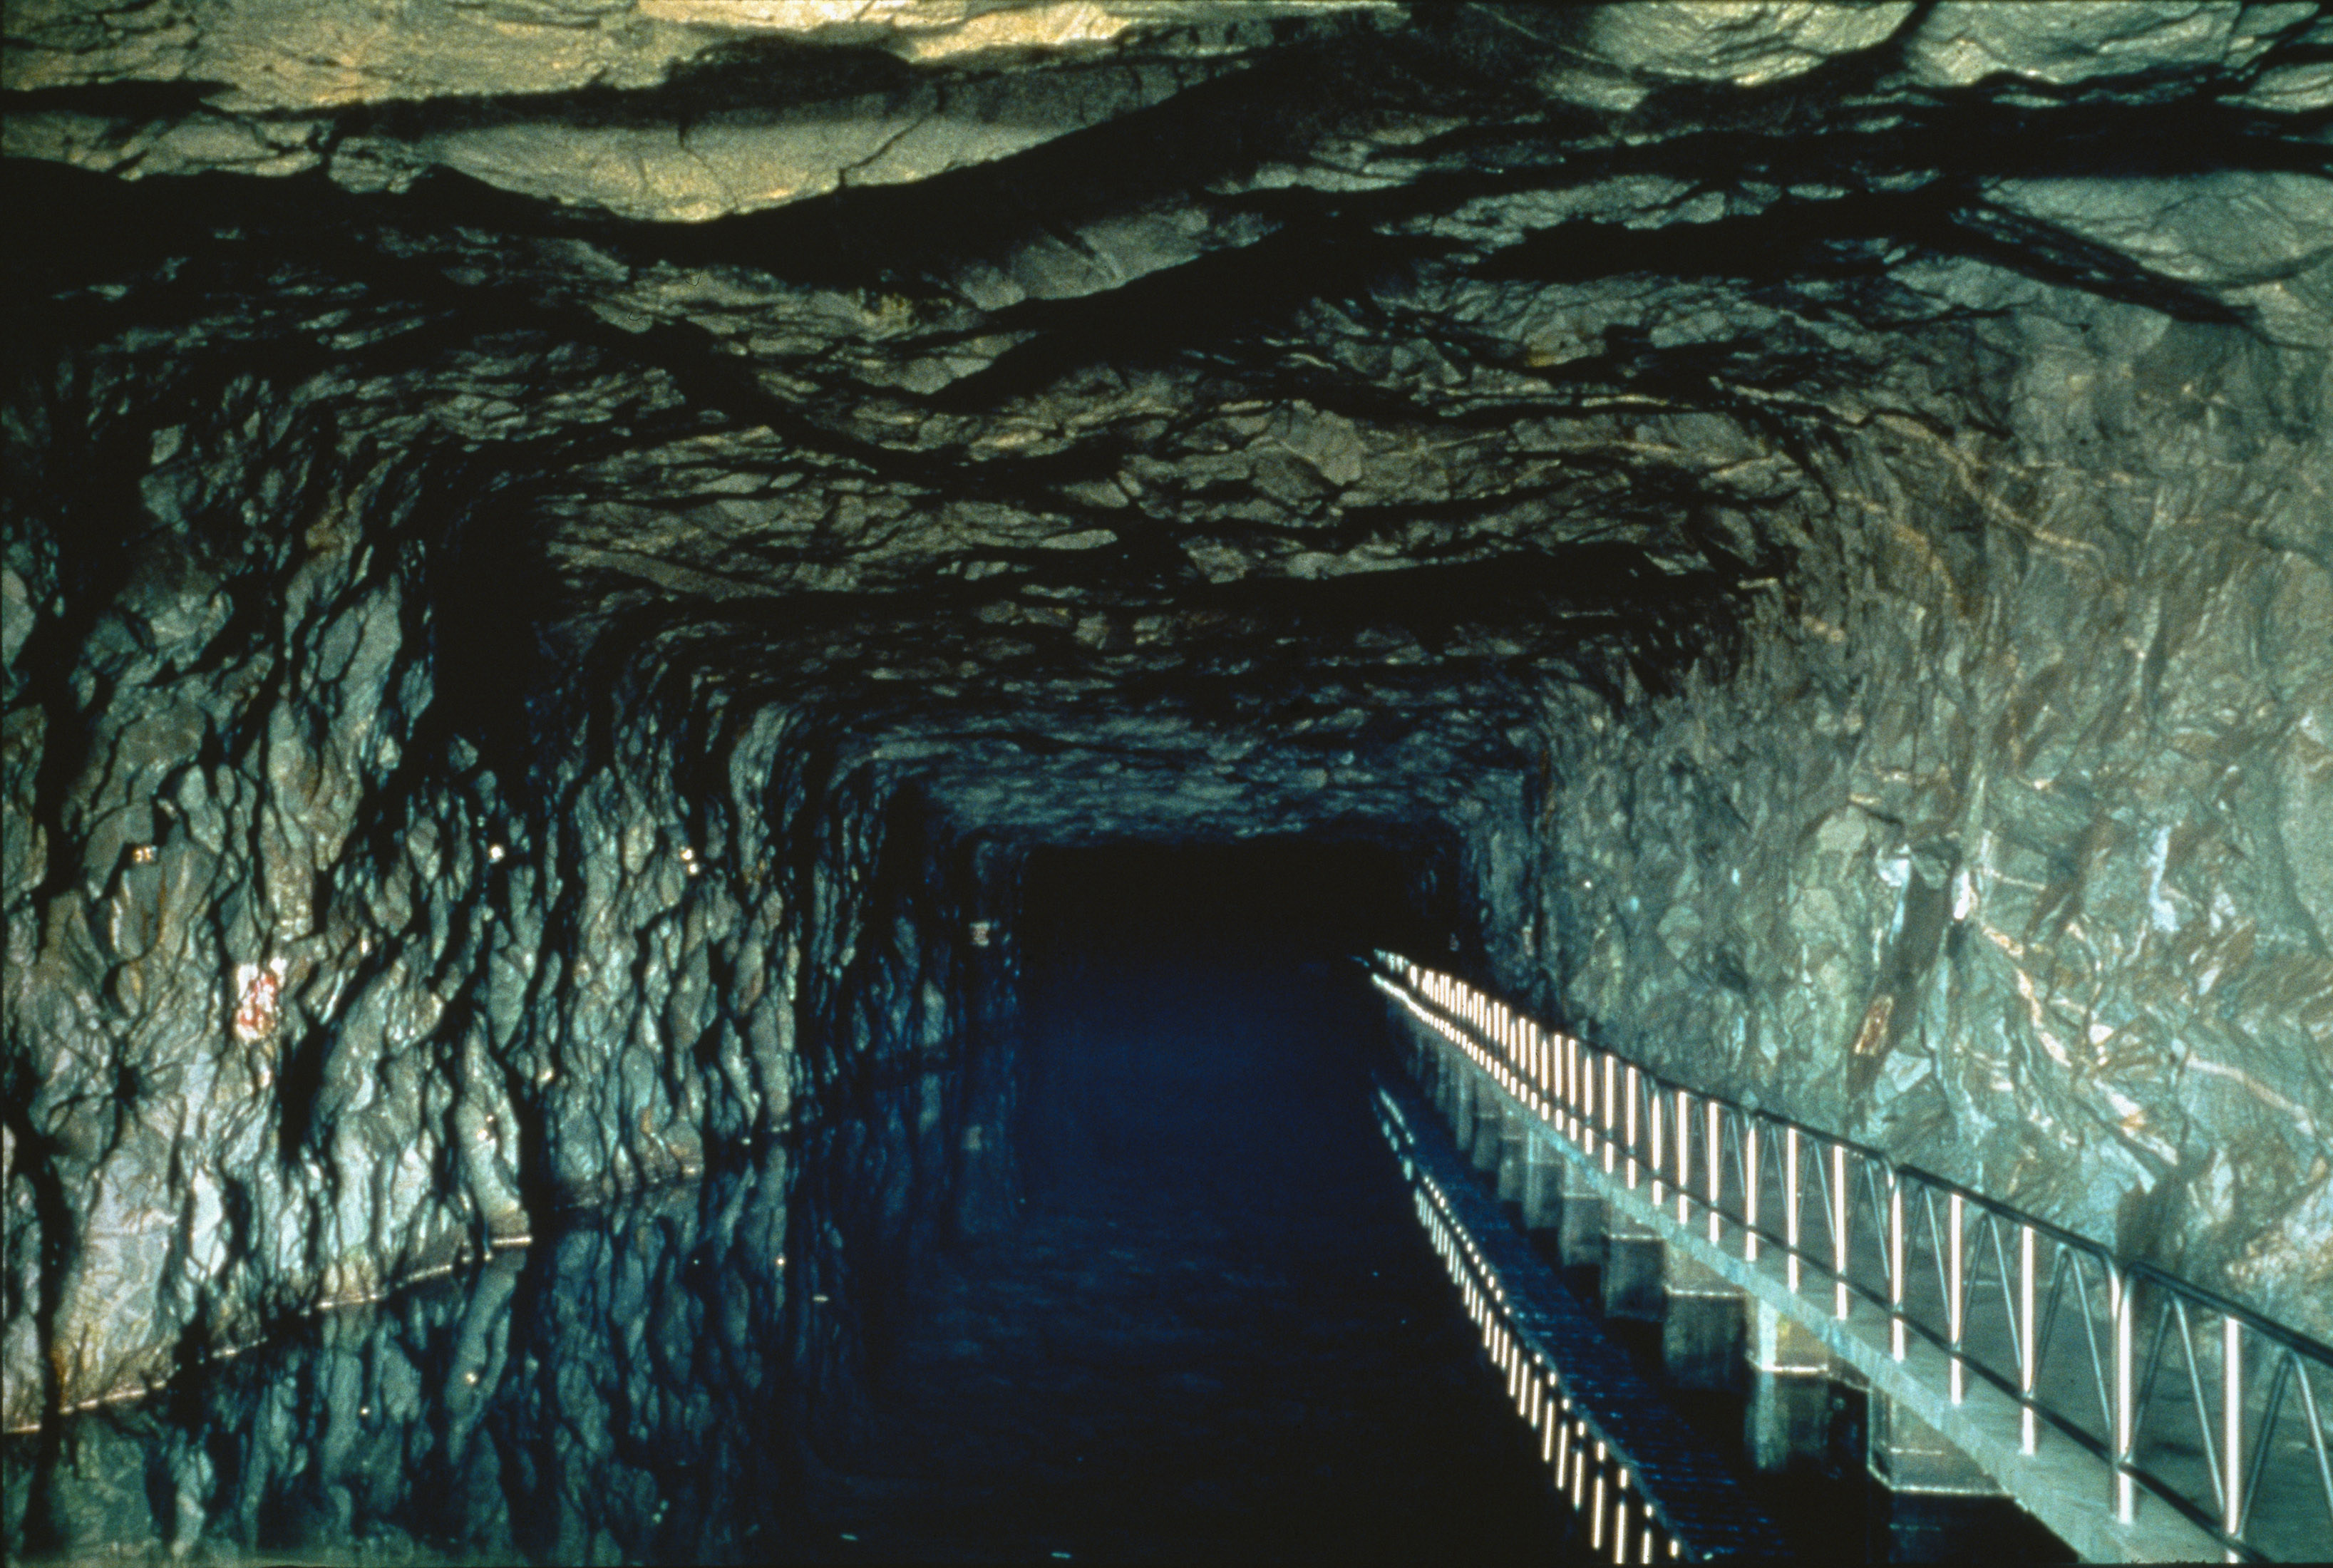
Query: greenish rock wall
point(304, 995)
point(2001, 842)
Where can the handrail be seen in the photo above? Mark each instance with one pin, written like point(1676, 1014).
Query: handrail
point(1990, 1286)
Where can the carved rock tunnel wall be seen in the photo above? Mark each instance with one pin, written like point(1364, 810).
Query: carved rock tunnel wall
point(533, 635)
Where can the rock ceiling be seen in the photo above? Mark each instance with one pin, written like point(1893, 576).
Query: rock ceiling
point(1125, 392)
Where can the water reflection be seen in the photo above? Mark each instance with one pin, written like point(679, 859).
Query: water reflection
point(620, 1390)
point(1212, 1332)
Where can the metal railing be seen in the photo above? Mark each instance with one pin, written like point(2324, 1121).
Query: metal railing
point(2181, 1394)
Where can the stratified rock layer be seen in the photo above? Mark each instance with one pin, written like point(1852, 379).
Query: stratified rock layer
point(537, 639)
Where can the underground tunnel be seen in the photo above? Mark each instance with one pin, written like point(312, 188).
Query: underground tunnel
point(732, 733)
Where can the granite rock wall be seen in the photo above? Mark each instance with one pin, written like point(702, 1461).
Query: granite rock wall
point(309, 990)
point(2000, 840)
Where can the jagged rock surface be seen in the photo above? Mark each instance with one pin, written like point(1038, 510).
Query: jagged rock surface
point(501, 1416)
point(2016, 810)
point(522, 670)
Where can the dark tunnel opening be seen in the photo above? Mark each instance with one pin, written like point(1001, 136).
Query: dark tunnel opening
point(1193, 1027)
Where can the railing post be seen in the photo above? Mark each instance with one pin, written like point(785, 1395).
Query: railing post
point(1611, 1087)
point(2028, 1354)
point(1790, 1203)
point(1838, 1211)
point(1714, 1146)
point(1583, 1094)
point(1543, 1042)
point(1955, 1297)
point(2119, 1301)
point(1683, 1155)
point(1754, 1182)
point(2232, 1442)
point(1628, 1116)
point(1896, 1263)
point(1657, 1156)
point(1566, 1074)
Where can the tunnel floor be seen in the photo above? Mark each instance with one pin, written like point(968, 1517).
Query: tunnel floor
point(1216, 1332)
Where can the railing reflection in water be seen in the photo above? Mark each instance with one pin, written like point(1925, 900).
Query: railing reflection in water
point(2181, 1394)
point(1619, 1521)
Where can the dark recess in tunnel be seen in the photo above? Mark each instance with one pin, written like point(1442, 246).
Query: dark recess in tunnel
point(1174, 1035)
point(1261, 903)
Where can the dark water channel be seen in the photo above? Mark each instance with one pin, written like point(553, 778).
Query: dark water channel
point(1217, 1333)
point(1212, 1332)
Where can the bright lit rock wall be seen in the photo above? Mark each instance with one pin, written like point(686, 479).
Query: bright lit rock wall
point(2005, 840)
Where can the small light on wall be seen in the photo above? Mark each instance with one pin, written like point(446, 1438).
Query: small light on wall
point(979, 930)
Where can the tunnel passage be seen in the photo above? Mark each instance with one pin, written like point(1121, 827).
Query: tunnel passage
point(1187, 1030)
point(1213, 1329)
point(556, 571)
point(1209, 1328)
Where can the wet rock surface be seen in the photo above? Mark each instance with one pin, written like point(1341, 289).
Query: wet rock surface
point(2011, 866)
point(559, 559)
point(620, 1390)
